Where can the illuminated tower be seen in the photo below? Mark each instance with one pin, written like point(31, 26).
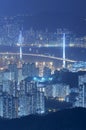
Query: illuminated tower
point(20, 41)
point(64, 64)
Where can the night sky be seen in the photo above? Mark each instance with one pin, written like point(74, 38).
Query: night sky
point(73, 7)
point(56, 13)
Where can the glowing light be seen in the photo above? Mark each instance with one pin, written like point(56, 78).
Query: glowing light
point(36, 63)
point(71, 45)
point(18, 44)
point(35, 78)
point(51, 63)
point(43, 79)
point(1, 68)
point(5, 57)
point(50, 79)
point(44, 63)
point(61, 99)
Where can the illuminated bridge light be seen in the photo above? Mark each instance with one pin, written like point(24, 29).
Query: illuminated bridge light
point(38, 55)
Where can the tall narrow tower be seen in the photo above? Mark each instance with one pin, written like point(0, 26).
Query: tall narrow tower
point(20, 41)
point(64, 64)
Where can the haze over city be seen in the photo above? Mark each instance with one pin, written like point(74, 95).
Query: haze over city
point(52, 14)
point(43, 64)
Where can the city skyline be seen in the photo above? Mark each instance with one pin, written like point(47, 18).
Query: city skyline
point(42, 56)
point(43, 64)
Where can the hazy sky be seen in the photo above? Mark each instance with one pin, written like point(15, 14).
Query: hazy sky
point(49, 13)
point(77, 7)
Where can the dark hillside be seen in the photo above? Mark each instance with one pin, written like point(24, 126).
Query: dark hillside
point(71, 119)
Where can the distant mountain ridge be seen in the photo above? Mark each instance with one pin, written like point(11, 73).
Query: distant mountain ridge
point(69, 119)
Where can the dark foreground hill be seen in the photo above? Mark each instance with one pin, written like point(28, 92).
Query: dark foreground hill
point(73, 119)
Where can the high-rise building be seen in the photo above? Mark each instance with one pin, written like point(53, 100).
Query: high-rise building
point(40, 106)
point(32, 70)
point(8, 75)
point(60, 90)
point(82, 91)
point(1, 83)
point(23, 108)
point(7, 86)
point(10, 106)
point(1, 106)
point(25, 69)
point(7, 106)
point(15, 105)
point(13, 68)
point(23, 88)
point(46, 72)
point(14, 89)
point(32, 93)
